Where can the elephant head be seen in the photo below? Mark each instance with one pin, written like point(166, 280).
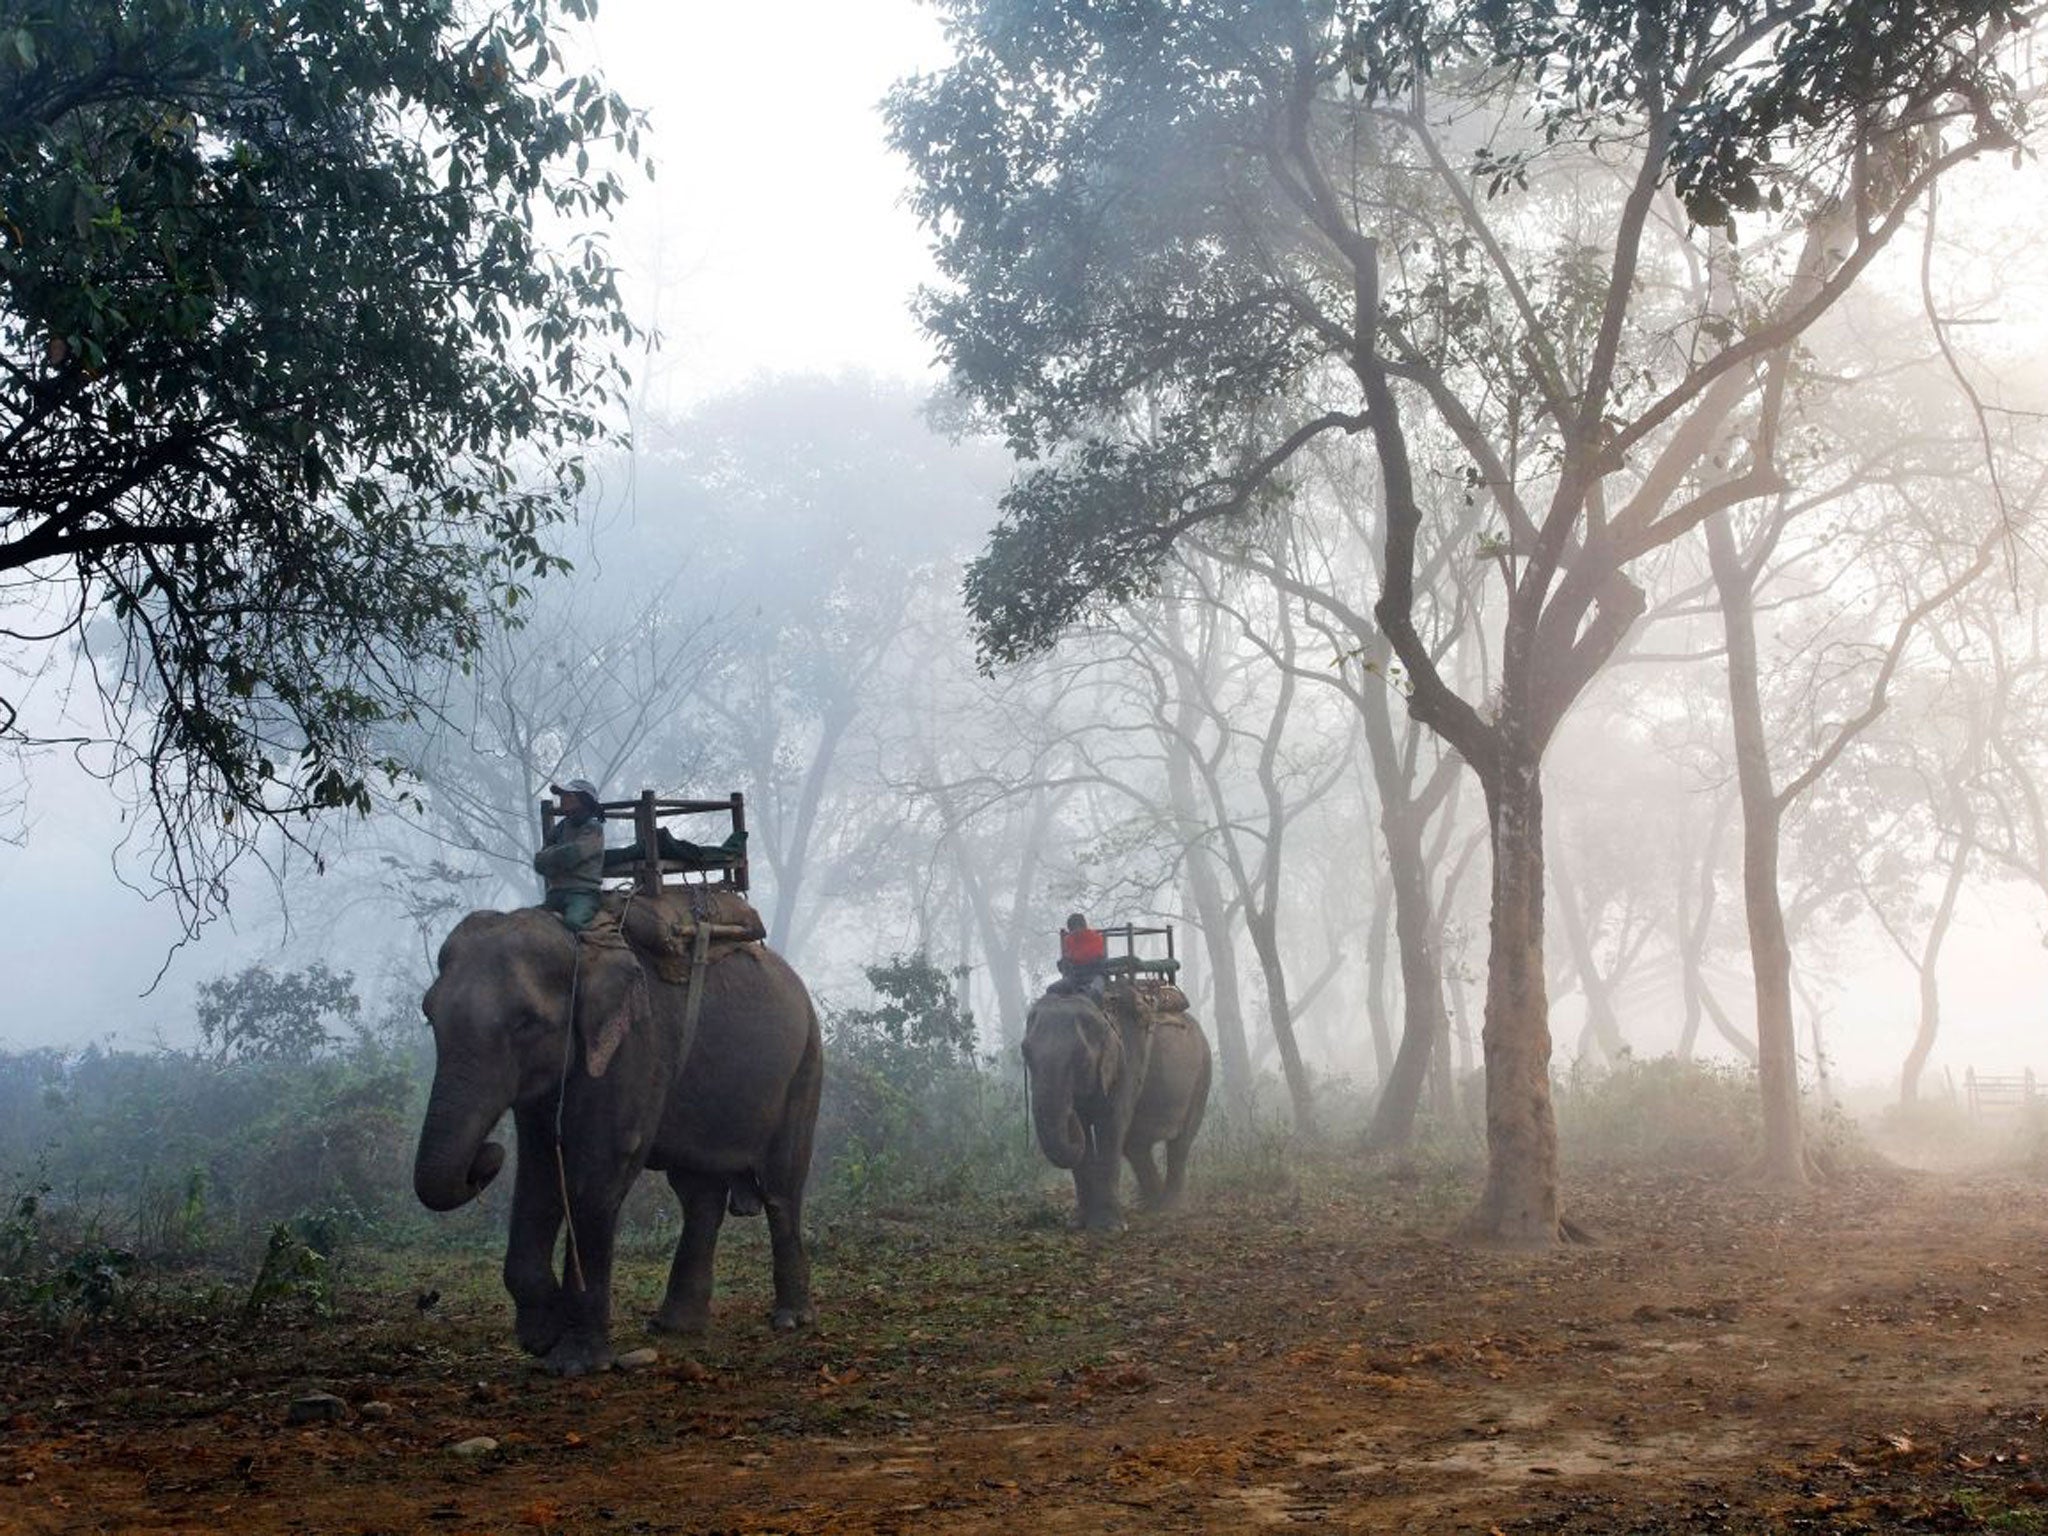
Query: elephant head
point(499, 1007)
point(1074, 1058)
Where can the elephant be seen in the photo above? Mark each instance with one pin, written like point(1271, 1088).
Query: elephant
point(1109, 1080)
point(728, 1116)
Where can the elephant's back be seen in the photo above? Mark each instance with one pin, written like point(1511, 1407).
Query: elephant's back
point(756, 1043)
point(1176, 1076)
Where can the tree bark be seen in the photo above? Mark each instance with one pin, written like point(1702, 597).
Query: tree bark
point(1930, 985)
point(1212, 913)
point(1783, 1159)
point(1266, 944)
point(1519, 1206)
point(1424, 1022)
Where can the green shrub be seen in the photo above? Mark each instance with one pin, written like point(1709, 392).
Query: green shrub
point(292, 1277)
point(910, 1115)
point(190, 1157)
point(52, 1276)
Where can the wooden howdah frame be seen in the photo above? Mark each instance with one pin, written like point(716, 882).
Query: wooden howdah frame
point(1130, 962)
point(650, 872)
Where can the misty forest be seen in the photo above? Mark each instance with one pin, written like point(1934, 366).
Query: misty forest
point(1172, 765)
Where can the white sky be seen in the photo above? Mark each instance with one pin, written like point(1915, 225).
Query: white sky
point(773, 238)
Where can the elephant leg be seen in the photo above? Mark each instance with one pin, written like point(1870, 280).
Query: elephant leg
point(1095, 1188)
point(783, 1172)
point(1147, 1172)
point(793, 1307)
point(1177, 1147)
point(586, 1297)
point(686, 1305)
point(1175, 1194)
point(530, 1248)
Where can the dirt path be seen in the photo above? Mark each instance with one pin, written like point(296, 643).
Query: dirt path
point(1874, 1358)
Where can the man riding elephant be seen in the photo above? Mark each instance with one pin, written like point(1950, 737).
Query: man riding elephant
point(1083, 952)
point(608, 1069)
point(1110, 1079)
point(572, 858)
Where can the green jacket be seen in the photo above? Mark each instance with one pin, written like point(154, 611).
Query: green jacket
point(573, 856)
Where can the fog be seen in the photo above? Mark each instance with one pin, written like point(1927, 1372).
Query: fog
point(1507, 540)
point(775, 574)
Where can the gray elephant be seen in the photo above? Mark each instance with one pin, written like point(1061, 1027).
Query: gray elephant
point(1108, 1081)
point(728, 1115)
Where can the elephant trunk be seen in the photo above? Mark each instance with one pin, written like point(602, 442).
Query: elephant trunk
point(1059, 1128)
point(455, 1161)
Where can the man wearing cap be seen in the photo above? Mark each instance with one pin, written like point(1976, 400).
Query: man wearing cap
point(572, 858)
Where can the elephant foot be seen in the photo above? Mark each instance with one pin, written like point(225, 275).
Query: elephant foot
point(688, 1325)
point(538, 1329)
point(1100, 1226)
point(578, 1357)
point(789, 1319)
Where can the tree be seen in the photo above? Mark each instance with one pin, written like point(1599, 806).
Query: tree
point(264, 1015)
point(593, 683)
point(1410, 792)
point(290, 383)
point(814, 508)
point(1449, 231)
point(1229, 691)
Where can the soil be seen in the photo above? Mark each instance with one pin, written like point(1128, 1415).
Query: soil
point(1867, 1356)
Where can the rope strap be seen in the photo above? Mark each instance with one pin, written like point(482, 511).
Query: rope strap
point(562, 1098)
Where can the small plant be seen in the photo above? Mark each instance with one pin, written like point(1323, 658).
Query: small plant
point(52, 1281)
point(90, 1280)
point(1991, 1512)
point(291, 1275)
point(21, 1233)
point(171, 1219)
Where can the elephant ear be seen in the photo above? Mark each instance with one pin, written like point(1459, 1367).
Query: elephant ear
point(1110, 1064)
point(609, 1003)
point(1106, 1048)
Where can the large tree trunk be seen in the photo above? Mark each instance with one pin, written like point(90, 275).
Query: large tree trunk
point(1424, 1022)
point(1520, 1203)
point(1783, 1160)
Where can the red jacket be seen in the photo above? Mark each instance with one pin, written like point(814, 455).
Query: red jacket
point(1085, 947)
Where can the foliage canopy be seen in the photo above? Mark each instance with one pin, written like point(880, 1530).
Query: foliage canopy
point(291, 380)
point(1174, 238)
point(265, 1015)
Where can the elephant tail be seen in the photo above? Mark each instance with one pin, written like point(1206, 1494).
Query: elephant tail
point(788, 1164)
point(743, 1195)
